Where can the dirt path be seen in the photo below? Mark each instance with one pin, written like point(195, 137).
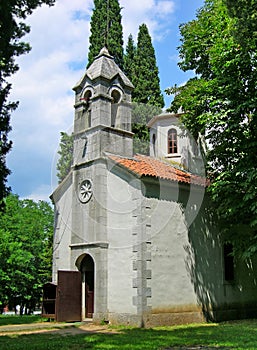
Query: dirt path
point(57, 328)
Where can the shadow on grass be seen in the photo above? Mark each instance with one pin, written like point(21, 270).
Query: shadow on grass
point(17, 319)
point(211, 336)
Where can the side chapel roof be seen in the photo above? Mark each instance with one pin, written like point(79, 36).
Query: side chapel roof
point(142, 165)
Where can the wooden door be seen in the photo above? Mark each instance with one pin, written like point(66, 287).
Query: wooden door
point(68, 299)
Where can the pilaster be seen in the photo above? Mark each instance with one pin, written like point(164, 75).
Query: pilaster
point(142, 258)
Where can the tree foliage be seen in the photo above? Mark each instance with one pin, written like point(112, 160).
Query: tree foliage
point(26, 230)
point(11, 46)
point(129, 58)
point(220, 102)
point(141, 115)
point(142, 70)
point(66, 155)
point(106, 30)
point(146, 74)
point(245, 26)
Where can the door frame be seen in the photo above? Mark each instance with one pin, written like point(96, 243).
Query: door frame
point(87, 285)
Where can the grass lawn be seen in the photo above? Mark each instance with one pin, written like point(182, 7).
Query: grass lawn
point(232, 335)
point(16, 319)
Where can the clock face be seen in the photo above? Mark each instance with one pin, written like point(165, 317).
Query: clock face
point(85, 191)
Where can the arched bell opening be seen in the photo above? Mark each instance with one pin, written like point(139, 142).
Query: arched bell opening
point(116, 99)
point(86, 99)
point(116, 96)
point(87, 96)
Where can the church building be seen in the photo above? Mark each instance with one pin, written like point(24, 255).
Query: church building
point(135, 240)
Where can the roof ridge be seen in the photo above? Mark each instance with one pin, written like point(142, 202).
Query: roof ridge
point(142, 165)
point(119, 156)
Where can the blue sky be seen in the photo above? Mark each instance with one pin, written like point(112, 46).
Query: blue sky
point(59, 39)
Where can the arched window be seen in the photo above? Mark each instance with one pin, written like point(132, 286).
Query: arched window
point(172, 141)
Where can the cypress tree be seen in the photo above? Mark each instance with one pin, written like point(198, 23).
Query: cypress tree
point(146, 74)
point(106, 30)
point(66, 153)
point(146, 96)
point(129, 58)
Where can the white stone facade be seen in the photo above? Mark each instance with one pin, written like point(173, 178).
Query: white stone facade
point(153, 242)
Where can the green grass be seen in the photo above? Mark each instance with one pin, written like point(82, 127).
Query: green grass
point(233, 335)
point(16, 319)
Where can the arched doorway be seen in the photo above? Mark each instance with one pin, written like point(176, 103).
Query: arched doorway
point(87, 269)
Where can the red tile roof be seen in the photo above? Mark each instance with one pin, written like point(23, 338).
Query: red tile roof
point(147, 166)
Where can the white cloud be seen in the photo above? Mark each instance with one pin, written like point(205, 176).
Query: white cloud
point(155, 14)
point(40, 193)
point(165, 8)
point(43, 84)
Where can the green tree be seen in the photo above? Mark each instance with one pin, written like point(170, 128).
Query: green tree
point(25, 251)
point(146, 74)
point(66, 155)
point(106, 30)
point(129, 58)
point(11, 46)
point(141, 114)
point(245, 14)
point(220, 103)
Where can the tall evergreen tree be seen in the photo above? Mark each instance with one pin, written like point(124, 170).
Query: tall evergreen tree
point(66, 153)
point(106, 30)
point(146, 78)
point(129, 58)
point(142, 69)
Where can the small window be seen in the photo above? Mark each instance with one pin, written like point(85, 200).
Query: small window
point(172, 141)
point(229, 268)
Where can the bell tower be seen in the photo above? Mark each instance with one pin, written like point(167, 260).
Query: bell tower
point(102, 111)
point(102, 124)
